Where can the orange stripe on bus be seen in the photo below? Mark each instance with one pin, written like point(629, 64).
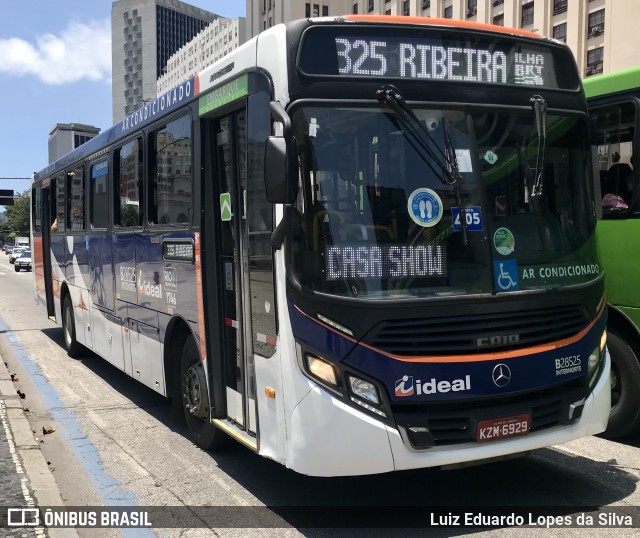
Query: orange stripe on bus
point(200, 299)
point(38, 262)
point(503, 355)
point(432, 21)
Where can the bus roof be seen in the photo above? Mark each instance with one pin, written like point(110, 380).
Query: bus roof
point(609, 83)
point(432, 21)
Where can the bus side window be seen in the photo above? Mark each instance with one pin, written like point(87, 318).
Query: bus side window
point(36, 209)
point(59, 203)
point(613, 128)
point(171, 183)
point(99, 195)
point(75, 197)
point(129, 199)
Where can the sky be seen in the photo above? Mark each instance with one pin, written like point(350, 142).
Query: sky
point(55, 67)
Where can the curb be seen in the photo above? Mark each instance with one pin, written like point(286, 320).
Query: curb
point(41, 482)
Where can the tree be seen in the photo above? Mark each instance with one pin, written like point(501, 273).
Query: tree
point(18, 215)
point(3, 228)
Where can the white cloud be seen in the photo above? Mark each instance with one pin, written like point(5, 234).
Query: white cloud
point(82, 50)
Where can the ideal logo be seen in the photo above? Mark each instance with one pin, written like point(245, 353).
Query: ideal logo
point(405, 386)
point(148, 288)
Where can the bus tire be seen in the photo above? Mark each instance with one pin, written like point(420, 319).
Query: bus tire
point(192, 385)
point(69, 328)
point(625, 389)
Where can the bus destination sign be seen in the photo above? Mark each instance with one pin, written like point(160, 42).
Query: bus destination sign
point(423, 59)
point(384, 261)
point(416, 56)
point(181, 251)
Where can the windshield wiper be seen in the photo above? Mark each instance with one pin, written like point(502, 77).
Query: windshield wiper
point(453, 162)
point(539, 106)
point(390, 95)
point(524, 166)
point(534, 181)
point(446, 160)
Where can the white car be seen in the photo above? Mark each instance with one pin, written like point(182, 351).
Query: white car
point(15, 253)
point(23, 261)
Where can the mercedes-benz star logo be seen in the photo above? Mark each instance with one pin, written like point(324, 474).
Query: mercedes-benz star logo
point(501, 375)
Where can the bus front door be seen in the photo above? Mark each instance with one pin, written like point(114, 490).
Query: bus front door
point(48, 218)
point(228, 145)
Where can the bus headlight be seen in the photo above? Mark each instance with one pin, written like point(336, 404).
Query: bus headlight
point(365, 394)
point(353, 389)
point(322, 369)
point(364, 389)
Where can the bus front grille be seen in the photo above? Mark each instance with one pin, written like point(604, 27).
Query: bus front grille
point(456, 422)
point(477, 333)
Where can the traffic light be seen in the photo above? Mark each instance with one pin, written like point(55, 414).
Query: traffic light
point(6, 197)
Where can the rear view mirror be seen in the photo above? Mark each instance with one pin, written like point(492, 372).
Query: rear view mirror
point(281, 169)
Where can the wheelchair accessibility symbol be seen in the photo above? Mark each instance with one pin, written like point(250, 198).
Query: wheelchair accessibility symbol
point(505, 273)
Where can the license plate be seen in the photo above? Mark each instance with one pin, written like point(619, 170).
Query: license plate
point(499, 428)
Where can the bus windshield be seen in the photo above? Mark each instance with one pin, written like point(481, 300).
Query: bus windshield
point(378, 216)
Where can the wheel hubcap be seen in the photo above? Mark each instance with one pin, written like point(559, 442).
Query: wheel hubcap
point(615, 387)
point(193, 391)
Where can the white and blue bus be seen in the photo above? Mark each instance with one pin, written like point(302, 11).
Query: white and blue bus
point(355, 244)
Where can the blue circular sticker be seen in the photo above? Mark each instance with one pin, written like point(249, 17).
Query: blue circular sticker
point(425, 207)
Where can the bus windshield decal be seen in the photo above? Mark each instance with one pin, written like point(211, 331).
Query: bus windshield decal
point(556, 273)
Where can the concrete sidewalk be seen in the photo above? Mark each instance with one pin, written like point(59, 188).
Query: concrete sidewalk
point(25, 478)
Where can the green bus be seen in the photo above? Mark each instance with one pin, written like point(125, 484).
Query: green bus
point(614, 107)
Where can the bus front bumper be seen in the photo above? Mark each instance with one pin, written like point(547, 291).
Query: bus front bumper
point(330, 438)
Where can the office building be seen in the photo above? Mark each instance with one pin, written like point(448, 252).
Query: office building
point(219, 38)
point(144, 34)
point(262, 14)
point(599, 32)
point(65, 137)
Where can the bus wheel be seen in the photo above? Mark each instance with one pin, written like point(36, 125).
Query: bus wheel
point(195, 400)
point(69, 328)
point(625, 389)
